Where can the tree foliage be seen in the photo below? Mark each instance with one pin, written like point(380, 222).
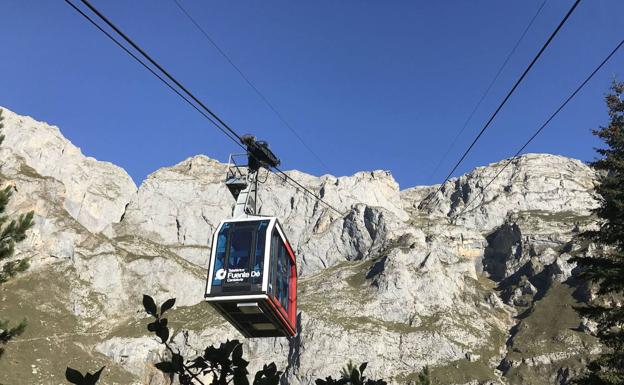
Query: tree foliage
point(217, 365)
point(77, 378)
point(606, 270)
point(12, 231)
point(223, 365)
point(351, 375)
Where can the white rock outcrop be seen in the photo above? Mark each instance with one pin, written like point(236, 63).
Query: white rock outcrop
point(385, 280)
point(95, 192)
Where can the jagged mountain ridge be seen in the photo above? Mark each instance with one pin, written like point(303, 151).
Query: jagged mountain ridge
point(386, 282)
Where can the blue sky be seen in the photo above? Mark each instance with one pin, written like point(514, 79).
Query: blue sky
point(367, 84)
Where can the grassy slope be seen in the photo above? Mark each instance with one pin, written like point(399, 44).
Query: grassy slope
point(549, 330)
point(54, 338)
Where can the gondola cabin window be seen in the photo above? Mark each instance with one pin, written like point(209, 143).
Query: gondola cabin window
point(221, 248)
point(282, 280)
point(240, 248)
point(258, 264)
point(239, 256)
point(280, 277)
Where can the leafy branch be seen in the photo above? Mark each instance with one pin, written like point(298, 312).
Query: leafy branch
point(223, 365)
point(217, 365)
point(351, 375)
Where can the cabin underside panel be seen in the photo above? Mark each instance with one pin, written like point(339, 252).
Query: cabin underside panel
point(257, 318)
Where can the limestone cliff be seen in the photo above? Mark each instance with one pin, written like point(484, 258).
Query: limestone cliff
point(481, 297)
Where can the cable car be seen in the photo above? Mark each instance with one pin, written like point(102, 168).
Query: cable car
point(252, 273)
point(252, 279)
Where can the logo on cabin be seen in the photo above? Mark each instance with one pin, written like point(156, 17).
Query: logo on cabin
point(235, 275)
point(221, 273)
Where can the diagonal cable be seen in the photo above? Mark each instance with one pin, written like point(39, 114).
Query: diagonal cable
point(228, 131)
point(539, 130)
point(250, 83)
point(515, 86)
point(138, 60)
point(487, 91)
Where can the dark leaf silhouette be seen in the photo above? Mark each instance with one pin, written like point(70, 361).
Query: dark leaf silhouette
point(178, 362)
point(91, 379)
point(162, 331)
point(74, 376)
point(237, 356)
point(240, 376)
point(165, 366)
point(224, 364)
point(168, 304)
point(198, 363)
point(267, 376)
point(150, 305)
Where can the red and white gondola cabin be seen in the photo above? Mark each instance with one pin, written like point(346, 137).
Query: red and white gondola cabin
point(252, 277)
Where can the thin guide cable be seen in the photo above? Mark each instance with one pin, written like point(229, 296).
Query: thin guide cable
point(513, 89)
point(541, 128)
point(234, 135)
point(249, 82)
point(488, 89)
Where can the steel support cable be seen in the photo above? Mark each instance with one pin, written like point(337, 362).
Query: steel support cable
point(299, 185)
point(539, 130)
point(487, 90)
point(234, 136)
point(249, 82)
point(513, 89)
point(160, 68)
point(112, 38)
point(308, 191)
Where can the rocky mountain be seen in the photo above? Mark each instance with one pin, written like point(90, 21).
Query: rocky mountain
point(476, 284)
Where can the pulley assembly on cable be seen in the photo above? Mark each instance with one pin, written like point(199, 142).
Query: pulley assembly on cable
point(252, 274)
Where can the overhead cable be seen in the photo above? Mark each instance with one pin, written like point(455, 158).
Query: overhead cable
point(487, 90)
point(212, 117)
point(151, 70)
point(249, 82)
point(157, 65)
point(539, 130)
point(511, 91)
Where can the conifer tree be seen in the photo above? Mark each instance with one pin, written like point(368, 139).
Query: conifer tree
point(606, 271)
point(12, 231)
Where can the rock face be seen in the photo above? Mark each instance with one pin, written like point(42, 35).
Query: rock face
point(95, 192)
point(477, 283)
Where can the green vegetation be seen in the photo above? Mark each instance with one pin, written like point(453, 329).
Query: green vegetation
point(559, 217)
point(53, 332)
point(352, 375)
point(547, 339)
point(12, 231)
point(607, 269)
point(224, 364)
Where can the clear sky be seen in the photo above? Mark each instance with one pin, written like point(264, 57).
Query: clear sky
point(367, 84)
